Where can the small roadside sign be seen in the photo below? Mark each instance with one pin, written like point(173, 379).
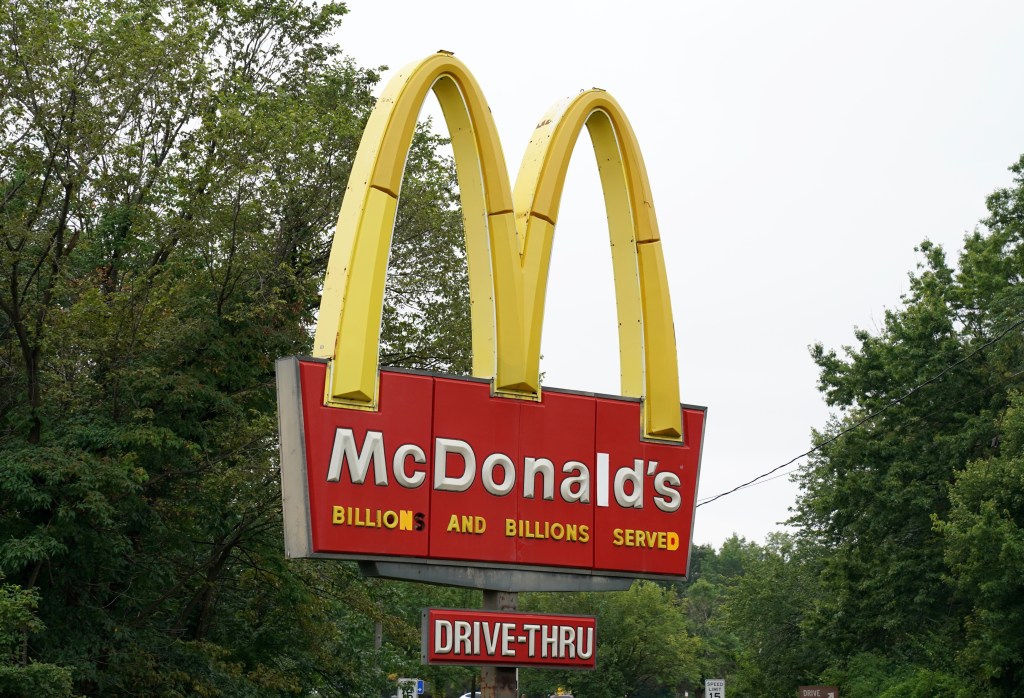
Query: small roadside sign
point(818, 692)
point(714, 688)
point(408, 688)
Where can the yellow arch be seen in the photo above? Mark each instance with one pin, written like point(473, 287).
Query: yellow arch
point(508, 242)
point(647, 345)
point(348, 324)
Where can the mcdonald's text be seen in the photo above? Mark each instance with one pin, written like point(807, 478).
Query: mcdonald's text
point(498, 474)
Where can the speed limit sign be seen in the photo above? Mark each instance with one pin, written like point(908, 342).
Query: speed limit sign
point(714, 688)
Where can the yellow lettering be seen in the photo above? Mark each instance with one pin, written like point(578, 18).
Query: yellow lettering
point(402, 519)
point(534, 530)
point(639, 538)
point(470, 524)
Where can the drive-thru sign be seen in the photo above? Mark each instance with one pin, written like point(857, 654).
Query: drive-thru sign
point(508, 639)
point(491, 471)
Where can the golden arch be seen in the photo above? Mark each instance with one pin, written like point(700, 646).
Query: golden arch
point(508, 242)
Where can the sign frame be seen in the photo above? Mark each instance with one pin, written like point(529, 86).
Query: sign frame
point(500, 576)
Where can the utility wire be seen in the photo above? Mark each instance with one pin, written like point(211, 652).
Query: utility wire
point(835, 437)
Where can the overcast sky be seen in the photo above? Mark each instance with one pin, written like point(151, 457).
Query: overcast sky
point(798, 151)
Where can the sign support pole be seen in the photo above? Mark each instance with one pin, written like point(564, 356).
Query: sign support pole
point(499, 682)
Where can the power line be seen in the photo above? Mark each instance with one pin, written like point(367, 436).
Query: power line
point(835, 437)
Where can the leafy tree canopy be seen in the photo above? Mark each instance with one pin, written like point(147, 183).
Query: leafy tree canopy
point(917, 508)
point(170, 173)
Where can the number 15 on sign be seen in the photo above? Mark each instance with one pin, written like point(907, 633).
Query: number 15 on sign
point(714, 688)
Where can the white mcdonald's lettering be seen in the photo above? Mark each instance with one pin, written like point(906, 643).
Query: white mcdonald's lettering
point(344, 450)
point(455, 470)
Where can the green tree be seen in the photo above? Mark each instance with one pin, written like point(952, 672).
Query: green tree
point(643, 647)
point(169, 177)
point(870, 495)
point(18, 675)
point(768, 611)
point(894, 496)
point(714, 578)
point(984, 537)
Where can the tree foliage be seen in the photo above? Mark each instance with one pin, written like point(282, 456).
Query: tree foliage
point(18, 675)
point(169, 177)
point(904, 573)
point(913, 498)
point(643, 645)
point(984, 548)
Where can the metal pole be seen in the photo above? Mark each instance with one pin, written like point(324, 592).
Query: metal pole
point(499, 682)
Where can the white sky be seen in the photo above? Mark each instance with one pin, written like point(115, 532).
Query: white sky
point(797, 150)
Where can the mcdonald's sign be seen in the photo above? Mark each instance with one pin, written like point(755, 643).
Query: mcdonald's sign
point(427, 472)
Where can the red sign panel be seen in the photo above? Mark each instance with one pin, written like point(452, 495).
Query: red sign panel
point(818, 692)
point(444, 471)
point(508, 639)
